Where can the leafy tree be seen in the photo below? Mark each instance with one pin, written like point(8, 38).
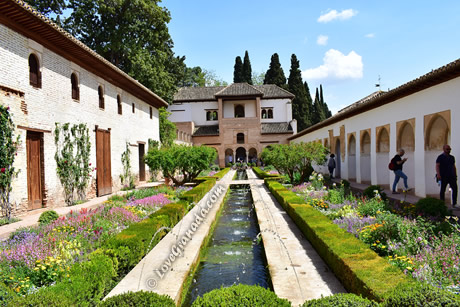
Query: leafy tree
point(247, 70)
point(296, 157)
point(211, 79)
point(8, 148)
point(318, 110)
point(180, 163)
point(326, 111)
point(300, 106)
point(193, 76)
point(132, 35)
point(238, 70)
point(275, 73)
point(258, 78)
point(167, 128)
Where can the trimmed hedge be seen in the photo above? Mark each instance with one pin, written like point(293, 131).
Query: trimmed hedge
point(91, 280)
point(420, 295)
point(47, 217)
point(359, 268)
point(140, 298)
point(341, 300)
point(262, 175)
point(197, 193)
point(240, 295)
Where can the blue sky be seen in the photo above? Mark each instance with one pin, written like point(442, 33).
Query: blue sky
point(344, 45)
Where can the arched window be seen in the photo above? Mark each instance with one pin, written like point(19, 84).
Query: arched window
point(239, 110)
point(100, 91)
point(240, 138)
point(214, 115)
point(120, 110)
point(134, 107)
point(75, 87)
point(208, 115)
point(151, 112)
point(34, 71)
point(264, 113)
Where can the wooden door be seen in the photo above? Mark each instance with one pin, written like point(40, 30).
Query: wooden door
point(141, 162)
point(103, 162)
point(34, 169)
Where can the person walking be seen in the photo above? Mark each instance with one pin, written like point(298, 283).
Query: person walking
point(331, 165)
point(447, 173)
point(398, 162)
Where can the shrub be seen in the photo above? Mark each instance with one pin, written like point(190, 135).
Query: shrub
point(341, 300)
point(420, 294)
point(371, 207)
point(431, 207)
point(6, 294)
point(48, 217)
point(369, 192)
point(240, 295)
point(141, 298)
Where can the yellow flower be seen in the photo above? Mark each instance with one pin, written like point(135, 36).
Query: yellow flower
point(383, 246)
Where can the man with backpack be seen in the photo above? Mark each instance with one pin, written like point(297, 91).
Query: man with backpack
point(446, 172)
point(398, 162)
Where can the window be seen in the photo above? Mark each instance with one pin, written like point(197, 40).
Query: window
point(240, 138)
point(120, 110)
point(211, 115)
point(134, 108)
point(100, 92)
point(239, 110)
point(151, 112)
point(267, 113)
point(34, 72)
point(75, 87)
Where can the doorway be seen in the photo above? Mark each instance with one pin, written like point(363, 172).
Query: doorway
point(35, 175)
point(141, 162)
point(103, 163)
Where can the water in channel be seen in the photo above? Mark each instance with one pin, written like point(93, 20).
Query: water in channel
point(234, 254)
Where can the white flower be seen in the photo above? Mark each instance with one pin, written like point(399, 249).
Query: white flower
point(334, 184)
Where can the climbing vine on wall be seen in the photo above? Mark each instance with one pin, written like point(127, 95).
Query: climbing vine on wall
point(72, 159)
point(127, 179)
point(8, 148)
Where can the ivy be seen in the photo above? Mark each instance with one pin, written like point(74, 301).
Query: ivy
point(127, 179)
point(72, 159)
point(8, 150)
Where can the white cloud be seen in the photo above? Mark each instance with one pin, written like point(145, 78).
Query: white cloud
point(332, 15)
point(337, 66)
point(322, 40)
point(370, 35)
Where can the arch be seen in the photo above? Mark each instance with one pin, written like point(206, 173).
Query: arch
point(34, 71)
point(119, 107)
point(208, 115)
point(239, 110)
point(270, 113)
point(406, 137)
point(351, 163)
point(437, 133)
point(100, 92)
point(383, 140)
point(365, 143)
point(252, 155)
point(241, 154)
point(240, 138)
point(75, 87)
point(338, 158)
point(264, 113)
point(229, 157)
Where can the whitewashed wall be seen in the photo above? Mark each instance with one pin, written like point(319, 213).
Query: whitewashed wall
point(282, 111)
point(420, 166)
point(193, 111)
point(53, 103)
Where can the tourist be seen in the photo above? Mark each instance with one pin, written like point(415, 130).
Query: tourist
point(398, 166)
point(230, 159)
point(331, 165)
point(446, 172)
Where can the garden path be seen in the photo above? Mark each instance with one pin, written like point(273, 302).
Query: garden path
point(31, 217)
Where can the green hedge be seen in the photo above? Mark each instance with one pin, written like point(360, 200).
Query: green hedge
point(91, 280)
point(140, 298)
point(197, 193)
point(240, 295)
point(262, 175)
point(359, 268)
point(341, 300)
point(222, 173)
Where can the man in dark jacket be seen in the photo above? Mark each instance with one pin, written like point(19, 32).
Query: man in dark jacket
point(398, 162)
point(447, 173)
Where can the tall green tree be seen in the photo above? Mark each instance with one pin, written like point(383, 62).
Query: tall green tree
point(193, 76)
point(167, 128)
point(309, 100)
point(300, 108)
point(131, 34)
point(238, 70)
point(275, 73)
point(326, 111)
point(318, 111)
point(247, 70)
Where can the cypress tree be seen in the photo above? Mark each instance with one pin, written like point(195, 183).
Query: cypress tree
point(309, 103)
point(238, 70)
point(275, 74)
point(247, 70)
point(300, 107)
point(318, 113)
point(327, 113)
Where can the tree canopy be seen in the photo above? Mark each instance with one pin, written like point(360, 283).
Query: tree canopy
point(131, 34)
point(180, 163)
point(301, 106)
point(275, 73)
point(247, 70)
point(238, 70)
point(167, 128)
point(295, 157)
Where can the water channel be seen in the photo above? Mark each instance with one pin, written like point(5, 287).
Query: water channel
point(234, 254)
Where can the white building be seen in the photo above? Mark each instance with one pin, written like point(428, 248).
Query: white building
point(418, 116)
point(48, 76)
point(238, 120)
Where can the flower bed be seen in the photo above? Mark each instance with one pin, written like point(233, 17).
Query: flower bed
point(425, 248)
point(40, 256)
